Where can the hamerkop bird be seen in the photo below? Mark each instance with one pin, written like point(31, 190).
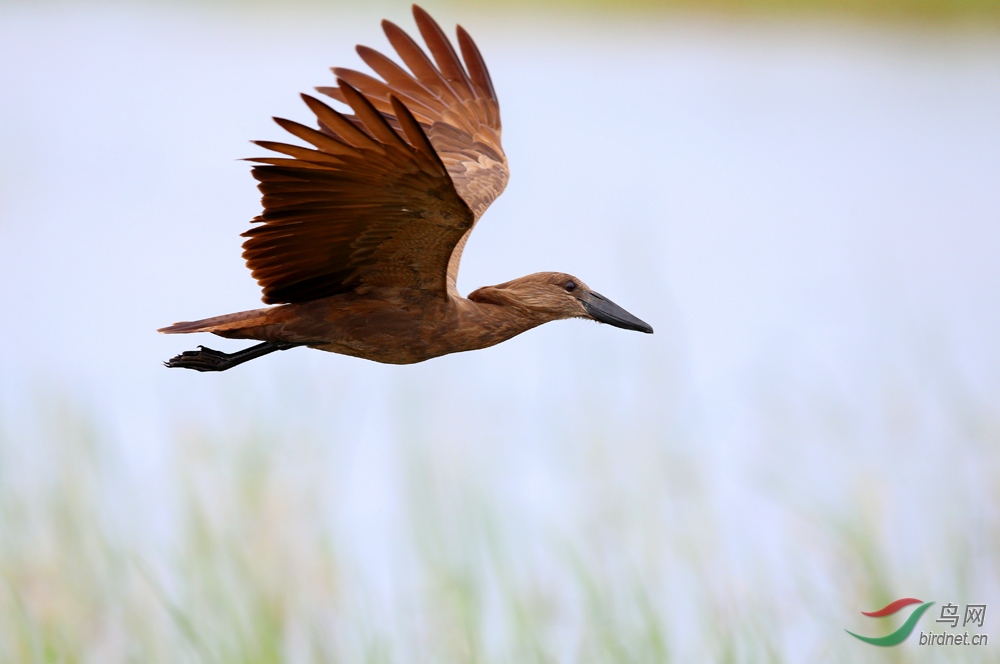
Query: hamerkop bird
point(361, 237)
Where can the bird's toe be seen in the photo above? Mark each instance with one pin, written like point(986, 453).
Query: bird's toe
point(204, 359)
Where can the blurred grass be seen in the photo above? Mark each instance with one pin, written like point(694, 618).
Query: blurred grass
point(249, 562)
point(973, 12)
point(986, 11)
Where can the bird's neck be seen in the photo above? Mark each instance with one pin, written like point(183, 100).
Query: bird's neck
point(485, 324)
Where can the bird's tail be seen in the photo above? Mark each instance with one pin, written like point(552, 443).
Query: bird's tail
point(234, 326)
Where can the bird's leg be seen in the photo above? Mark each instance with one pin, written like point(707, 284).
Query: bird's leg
point(206, 359)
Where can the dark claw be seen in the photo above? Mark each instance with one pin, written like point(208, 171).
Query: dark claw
point(204, 359)
point(207, 359)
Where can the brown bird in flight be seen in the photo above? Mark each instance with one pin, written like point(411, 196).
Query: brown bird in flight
point(361, 237)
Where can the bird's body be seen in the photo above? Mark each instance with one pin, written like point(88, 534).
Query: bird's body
point(391, 326)
point(361, 238)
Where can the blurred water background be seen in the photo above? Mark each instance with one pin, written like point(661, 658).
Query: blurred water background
point(804, 205)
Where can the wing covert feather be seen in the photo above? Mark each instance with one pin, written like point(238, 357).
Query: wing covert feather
point(379, 214)
point(385, 197)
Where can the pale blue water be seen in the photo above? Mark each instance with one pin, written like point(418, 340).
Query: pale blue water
point(807, 214)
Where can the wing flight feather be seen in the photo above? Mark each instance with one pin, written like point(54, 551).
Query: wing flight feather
point(384, 197)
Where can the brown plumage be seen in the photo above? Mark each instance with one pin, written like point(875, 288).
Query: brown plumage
point(362, 233)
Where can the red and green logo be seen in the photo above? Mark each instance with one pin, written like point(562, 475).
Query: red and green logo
point(904, 630)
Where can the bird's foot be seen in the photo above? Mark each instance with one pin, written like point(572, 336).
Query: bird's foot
point(203, 359)
point(206, 359)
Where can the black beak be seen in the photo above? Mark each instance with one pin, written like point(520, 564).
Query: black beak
point(604, 310)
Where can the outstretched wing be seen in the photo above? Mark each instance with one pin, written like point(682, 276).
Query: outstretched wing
point(365, 209)
point(457, 106)
point(390, 194)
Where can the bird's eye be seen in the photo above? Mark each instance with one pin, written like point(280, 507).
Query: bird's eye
point(570, 286)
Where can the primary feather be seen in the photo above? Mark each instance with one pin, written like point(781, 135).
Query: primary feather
point(386, 196)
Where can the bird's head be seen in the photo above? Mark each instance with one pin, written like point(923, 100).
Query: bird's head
point(556, 295)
